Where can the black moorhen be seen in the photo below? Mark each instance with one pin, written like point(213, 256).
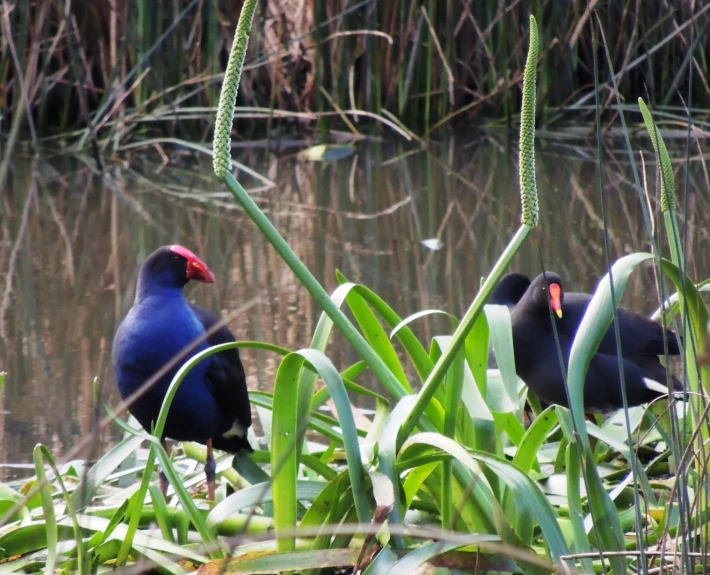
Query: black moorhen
point(211, 405)
point(537, 360)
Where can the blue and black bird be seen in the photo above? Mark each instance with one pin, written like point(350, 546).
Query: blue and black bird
point(163, 330)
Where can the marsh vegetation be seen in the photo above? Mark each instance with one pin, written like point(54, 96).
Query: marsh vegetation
point(356, 288)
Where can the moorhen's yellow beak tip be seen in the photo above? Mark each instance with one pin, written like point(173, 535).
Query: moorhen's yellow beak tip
point(558, 312)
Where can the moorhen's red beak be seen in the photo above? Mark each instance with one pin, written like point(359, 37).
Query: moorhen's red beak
point(555, 303)
point(196, 268)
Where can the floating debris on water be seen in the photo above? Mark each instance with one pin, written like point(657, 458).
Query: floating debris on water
point(328, 152)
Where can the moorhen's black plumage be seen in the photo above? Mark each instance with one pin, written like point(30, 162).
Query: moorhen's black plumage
point(211, 405)
point(537, 360)
point(509, 290)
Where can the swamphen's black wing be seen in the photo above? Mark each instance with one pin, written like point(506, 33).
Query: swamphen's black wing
point(227, 382)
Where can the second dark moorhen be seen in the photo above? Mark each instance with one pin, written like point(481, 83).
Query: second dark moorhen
point(537, 360)
point(509, 290)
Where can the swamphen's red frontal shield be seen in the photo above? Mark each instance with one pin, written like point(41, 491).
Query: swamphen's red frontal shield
point(211, 405)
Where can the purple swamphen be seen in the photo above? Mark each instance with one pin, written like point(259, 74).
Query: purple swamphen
point(211, 405)
point(537, 361)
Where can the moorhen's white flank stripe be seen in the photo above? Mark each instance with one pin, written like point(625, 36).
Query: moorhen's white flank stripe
point(655, 386)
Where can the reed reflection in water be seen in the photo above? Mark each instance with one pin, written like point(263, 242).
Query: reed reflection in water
point(71, 243)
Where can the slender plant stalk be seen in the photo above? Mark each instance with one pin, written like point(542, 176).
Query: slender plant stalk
point(384, 374)
point(694, 335)
point(222, 165)
point(529, 200)
point(691, 338)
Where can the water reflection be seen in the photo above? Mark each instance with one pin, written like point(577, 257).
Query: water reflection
point(71, 242)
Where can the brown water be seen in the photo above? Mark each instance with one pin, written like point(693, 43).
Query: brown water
point(71, 243)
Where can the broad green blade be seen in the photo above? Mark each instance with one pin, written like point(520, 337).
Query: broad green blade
point(524, 489)
point(50, 519)
point(256, 495)
point(39, 455)
point(141, 539)
point(104, 467)
point(574, 501)
point(501, 336)
point(279, 562)
point(284, 437)
point(412, 346)
point(388, 456)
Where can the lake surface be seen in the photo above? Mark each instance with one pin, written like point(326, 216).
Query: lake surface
point(72, 240)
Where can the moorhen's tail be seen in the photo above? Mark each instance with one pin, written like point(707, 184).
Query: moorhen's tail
point(645, 380)
point(655, 375)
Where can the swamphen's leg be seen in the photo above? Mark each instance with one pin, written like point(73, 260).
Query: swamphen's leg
point(210, 470)
point(163, 479)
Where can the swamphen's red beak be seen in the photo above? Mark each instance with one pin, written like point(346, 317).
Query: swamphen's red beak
point(196, 268)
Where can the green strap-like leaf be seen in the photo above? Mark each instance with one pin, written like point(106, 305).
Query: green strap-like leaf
point(526, 491)
point(388, 457)
point(412, 346)
point(284, 435)
point(413, 560)
point(255, 495)
point(50, 519)
point(41, 454)
point(574, 501)
point(104, 467)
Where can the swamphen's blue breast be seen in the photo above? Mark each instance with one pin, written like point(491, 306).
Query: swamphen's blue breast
point(211, 403)
point(156, 330)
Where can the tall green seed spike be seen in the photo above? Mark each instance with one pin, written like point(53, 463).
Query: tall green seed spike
point(221, 147)
point(659, 146)
point(528, 187)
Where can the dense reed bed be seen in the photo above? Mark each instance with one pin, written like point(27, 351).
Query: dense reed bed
point(125, 69)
